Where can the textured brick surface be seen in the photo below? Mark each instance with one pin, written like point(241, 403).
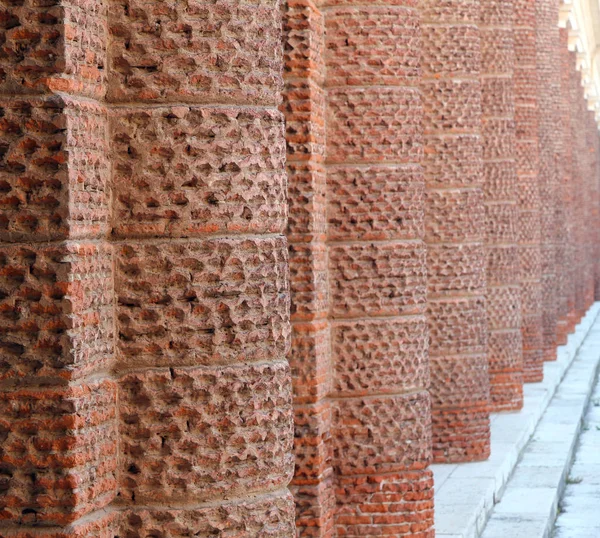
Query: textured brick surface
point(505, 351)
point(455, 227)
point(527, 119)
point(358, 267)
point(196, 434)
point(201, 268)
point(547, 34)
point(201, 302)
point(187, 171)
point(58, 459)
point(223, 51)
point(414, 223)
point(57, 316)
point(54, 169)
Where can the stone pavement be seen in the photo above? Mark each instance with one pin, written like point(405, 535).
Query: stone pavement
point(579, 510)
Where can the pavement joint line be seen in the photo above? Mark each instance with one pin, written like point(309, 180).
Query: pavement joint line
point(466, 493)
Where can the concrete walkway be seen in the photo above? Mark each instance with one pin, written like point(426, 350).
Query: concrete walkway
point(579, 509)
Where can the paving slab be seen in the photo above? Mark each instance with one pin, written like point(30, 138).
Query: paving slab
point(579, 515)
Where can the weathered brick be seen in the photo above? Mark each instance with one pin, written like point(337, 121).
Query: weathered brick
point(194, 434)
point(216, 301)
point(187, 171)
point(58, 459)
point(54, 170)
point(56, 312)
point(225, 51)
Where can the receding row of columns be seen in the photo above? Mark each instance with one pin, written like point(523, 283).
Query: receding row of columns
point(439, 237)
point(443, 181)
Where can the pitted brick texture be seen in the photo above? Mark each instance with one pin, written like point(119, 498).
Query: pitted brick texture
point(58, 455)
point(547, 35)
point(379, 356)
point(56, 312)
point(457, 325)
point(222, 51)
point(202, 302)
point(193, 434)
point(53, 170)
point(51, 46)
point(375, 203)
point(498, 130)
point(455, 216)
point(387, 434)
point(372, 279)
point(455, 268)
point(390, 117)
point(184, 171)
point(269, 516)
point(454, 219)
point(453, 161)
point(351, 31)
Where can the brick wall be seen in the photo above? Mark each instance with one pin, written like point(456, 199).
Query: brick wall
point(145, 294)
point(414, 225)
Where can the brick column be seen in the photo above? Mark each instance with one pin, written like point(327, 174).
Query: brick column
point(455, 230)
point(591, 202)
point(578, 171)
point(527, 114)
point(547, 27)
point(357, 261)
point(571, 211)
point(560, 210)
point(310, 359)
point(503, 292)
point(198, 161)
point(58, 417)
point(380, 404)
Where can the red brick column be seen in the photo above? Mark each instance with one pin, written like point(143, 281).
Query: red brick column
point(560, 210)
point(377, 273)
point(547, 27)
point(571, 210)
point(58, 417)
point(310, 358)
point(592, 206)
point(503, 292)
point(201, 273)
point(455, 230)
point(359, 349)
point(578, 184)
point(527, 115)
